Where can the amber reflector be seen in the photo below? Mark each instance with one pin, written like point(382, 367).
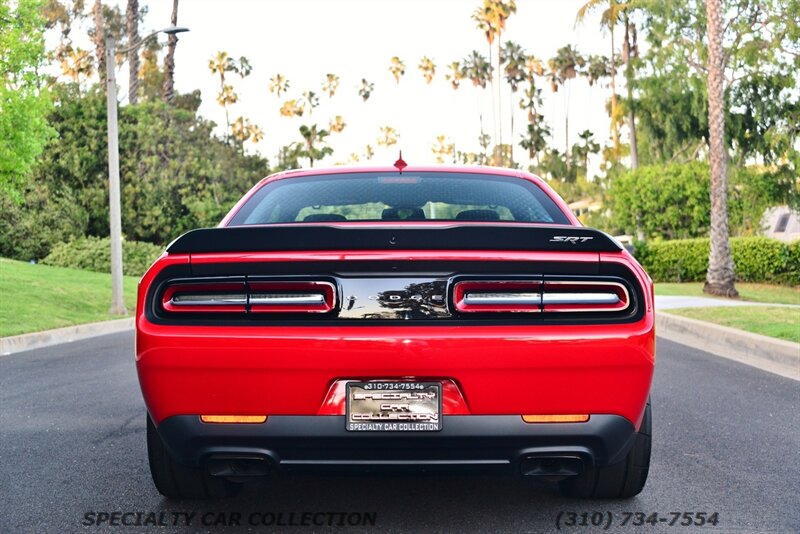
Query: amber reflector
point(567, 418)
point(233, 418)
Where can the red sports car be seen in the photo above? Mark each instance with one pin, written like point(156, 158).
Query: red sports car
point(399, 318)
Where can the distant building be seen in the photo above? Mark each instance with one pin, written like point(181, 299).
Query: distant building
point(781, 223)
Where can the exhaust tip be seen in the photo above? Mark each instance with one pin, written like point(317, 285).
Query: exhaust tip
point(552, 466)
point(239, 466)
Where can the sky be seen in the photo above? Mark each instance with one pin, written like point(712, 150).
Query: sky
point(306, 39)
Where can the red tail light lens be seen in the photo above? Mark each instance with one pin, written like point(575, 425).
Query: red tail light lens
point(252, 297)
point(516, 296)
point(283, 297)
point(584, 296)
point(230, 297)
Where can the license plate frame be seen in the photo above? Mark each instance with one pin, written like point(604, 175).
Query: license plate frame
point(411, 411)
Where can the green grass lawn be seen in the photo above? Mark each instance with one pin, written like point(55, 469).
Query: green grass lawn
point(752, 292)
point(773, 321)
point(40, 297)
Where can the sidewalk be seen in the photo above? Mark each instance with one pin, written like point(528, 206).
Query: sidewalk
point(665, 302)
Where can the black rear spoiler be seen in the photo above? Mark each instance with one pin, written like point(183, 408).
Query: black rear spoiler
point(301, 237)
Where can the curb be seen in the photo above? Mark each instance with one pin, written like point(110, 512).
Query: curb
point(13, 344)
point(766, 353)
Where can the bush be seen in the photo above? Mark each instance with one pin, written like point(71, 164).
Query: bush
point(46, 216)
point(757, 259)
point(673, 201)
point(94, 254)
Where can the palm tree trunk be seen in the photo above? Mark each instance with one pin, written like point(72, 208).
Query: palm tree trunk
point(491, 94)
point(168, 89)
point(132, 27)
point(720, 275)
point(629, 49)
point(614, 128)
point(500, 100)
point(100, 41)
point(511, 141)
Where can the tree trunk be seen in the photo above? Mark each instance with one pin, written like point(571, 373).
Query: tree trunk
point(500, 101)
point(566, 131)
point(132, 27)
point(168, 90)
point(614, 128)
point(629, 74)
point(720, 275)
point(100, 40)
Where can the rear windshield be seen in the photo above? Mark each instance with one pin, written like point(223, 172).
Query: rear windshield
point(390, 197)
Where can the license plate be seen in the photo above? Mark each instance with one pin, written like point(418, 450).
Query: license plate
point(394, 406)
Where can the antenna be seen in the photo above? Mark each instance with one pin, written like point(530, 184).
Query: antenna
point(400, 164)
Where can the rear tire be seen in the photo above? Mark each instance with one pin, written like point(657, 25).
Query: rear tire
point(622, 480)
point(176, 481)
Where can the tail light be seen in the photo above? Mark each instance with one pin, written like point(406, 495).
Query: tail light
point(535, 296)
point(498, 296)
point(250, 297)
point(283, 297)
point(228, 297)
point(584, 296)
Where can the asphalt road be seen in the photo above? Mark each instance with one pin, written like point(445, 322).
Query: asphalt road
point(72, 441)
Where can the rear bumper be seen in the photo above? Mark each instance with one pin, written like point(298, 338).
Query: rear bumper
point(502, 370)
point(465, 443)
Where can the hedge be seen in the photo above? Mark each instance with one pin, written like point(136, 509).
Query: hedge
point(757, 259)
point(94, 254)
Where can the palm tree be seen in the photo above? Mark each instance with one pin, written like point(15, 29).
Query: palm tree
point(388, 136)
point(331, 84)
point(565, 67)
point(256, 133)
point(479, 72)
point(720, 276)
point(292, 108)
point(397, 68)
point(630, 50)
point(427, 68)
point(76, 62)
point(220, 64)
point(491, 20)
point(442, 148)
point(99, 40)
point(337, 124)
point(608, 19)
point(588, 146)
point(168, 91)
point(596, 69)
point(311, 138)
point(132, 30)
point(278, 84)
point(513, 57)
point(455, 73)
point(311, 100)
point(365, 89)
point(240, 129)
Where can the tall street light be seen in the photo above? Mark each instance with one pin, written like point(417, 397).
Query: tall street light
point(115, 219)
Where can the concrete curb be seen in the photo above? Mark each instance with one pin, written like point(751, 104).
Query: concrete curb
point(766, 353)
point(36, 340)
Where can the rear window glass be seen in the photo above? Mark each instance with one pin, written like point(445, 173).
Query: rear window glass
point(392, 197)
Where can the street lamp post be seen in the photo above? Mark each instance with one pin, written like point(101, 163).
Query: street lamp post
point(114, 215)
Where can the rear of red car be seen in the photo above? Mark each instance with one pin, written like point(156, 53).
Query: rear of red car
point(373, 320)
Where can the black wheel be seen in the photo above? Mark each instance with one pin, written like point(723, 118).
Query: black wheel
point(176, 481)
point(617, 481)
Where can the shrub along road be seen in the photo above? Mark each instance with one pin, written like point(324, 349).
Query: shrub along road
point(72, 442)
